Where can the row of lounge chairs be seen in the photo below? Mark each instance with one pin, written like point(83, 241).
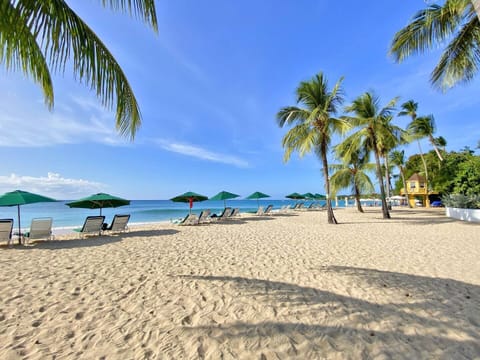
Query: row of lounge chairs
point(206, 217)
point(41, 228)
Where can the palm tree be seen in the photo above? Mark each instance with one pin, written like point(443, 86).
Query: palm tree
point(352, 172)
point(424, 127)
point(372, 123)
point(410, 109)
point(389, 138)
point(397, 158)
point(38, 37)
point(313, 124)
point(457, 22)
point(441, 141)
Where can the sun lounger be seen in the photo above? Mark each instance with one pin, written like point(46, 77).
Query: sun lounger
point(119, 223)
point(92, 225)
point(204, 217)
point(299, 206)
point(268, 210)
point(224, 215)
point(235, 212)
point(260, 211)
point(6, 226)
point(40, 228)
point(190, 219)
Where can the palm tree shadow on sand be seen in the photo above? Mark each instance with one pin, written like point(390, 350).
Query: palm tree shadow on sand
point(415, 317)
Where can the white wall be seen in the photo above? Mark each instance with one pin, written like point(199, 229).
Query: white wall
point(472, 215)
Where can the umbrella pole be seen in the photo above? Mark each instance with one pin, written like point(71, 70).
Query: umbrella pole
point(19, 227)
point(224, 203)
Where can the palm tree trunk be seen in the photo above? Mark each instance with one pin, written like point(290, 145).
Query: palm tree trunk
point(432, 141)
point(387, 176)
point(405, 187)
point(476, 6)
point(427, 203)
point(357, 198)
point(386, 214)
point(330, 214)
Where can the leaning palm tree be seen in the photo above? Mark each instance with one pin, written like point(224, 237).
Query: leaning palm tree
point(371, 122)
point(38, 37)
point(313, 124)
point(441, 142)
point(424, 127)
point(410, 109)
point(397, 158)
point(352, 172)
point(454, 21)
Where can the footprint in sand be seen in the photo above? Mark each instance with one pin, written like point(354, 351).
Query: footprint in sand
point(187, 320)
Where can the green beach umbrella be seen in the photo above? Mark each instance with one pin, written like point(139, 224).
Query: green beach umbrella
point(98, 201)
point(257, 195)
point(189, 197)
point(224, 195)
point(19, 197)
point(295, 196)
point(309, 196)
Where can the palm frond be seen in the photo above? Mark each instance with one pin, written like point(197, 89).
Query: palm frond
point(341, 179)
point(142, 9)
point(460, 60)
point(363, 181)
point(290, 114)
point(410, 108)
point(19, 49)
point(63, 35)
point(298, 138)
point(428, 27)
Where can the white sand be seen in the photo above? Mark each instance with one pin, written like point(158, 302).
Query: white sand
point(280, 287)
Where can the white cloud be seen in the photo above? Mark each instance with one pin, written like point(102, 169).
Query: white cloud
point(27, 123)
point(53, 185)
point(203, 154)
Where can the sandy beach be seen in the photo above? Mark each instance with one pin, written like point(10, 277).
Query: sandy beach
point(280, 287)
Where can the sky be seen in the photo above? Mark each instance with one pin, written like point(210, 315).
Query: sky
point(209, 85)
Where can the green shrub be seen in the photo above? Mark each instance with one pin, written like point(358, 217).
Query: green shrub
point(462, 201)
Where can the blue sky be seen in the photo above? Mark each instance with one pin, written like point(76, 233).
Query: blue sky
point(209, 86)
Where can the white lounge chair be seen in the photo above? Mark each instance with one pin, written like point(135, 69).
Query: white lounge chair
point(204, 217)
point(190, 219)
point(260, 211)
point(235, 212)
point(119, 223)
point(224, 215)
point(92, 225)
point(40, 228)
point(6, 226)
point(268, 210)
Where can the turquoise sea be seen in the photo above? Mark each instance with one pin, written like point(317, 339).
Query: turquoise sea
point(141, 211)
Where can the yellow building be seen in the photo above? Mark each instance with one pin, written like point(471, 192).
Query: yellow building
point(417, 191)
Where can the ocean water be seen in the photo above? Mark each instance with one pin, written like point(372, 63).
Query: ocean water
point(141, 211)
